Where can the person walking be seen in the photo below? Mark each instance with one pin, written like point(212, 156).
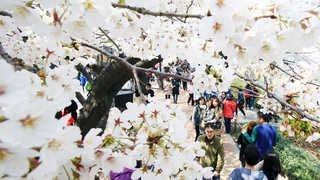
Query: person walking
point(167, 89)
point(263, 135)
point(214, 151)
point(191, 94)
point(229, 109)
point(149, 93)
point(207, 115)
point(197, 116)
point(247, 96)
point(216, 106)
point(83, 80)
point(196, 95)
point(175, 90)
point(241, 102)
point(243, 142)
point(251, 155)
point(271, 166)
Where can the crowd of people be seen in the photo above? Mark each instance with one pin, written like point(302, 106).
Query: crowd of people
point(213, 114)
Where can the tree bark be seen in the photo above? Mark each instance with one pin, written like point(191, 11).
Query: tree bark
point(108, 83)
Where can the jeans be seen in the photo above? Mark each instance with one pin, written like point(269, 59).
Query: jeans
point(227, 124)
point(175, 98)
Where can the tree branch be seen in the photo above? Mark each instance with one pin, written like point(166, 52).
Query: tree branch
point(80, 98)
point(296, 76)
point(17, 63)
point(188, 8)
point(278, 99)
point(144, 11)
point(272, 16)
point(130, 66)
point(135, 75)
point(267, 85)
point(313, 83)
point(114, 43)
point(284, 71)
point(5, 13)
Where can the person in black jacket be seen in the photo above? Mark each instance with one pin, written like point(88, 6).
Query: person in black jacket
point(243, 142)
point(175, 90)
point(149, 91)
point(271, 166)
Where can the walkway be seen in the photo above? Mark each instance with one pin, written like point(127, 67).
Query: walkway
point(230, 147)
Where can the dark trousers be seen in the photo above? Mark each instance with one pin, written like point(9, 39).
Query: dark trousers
point(197, 128)
point(241, 108)
point(167, 96)
point(175, 98)
point(250, 102)
point(191, 99)
point(185, 85)
point(213, 178)
point(227, 124)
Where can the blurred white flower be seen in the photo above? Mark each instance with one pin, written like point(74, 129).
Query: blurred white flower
point(14, 160)
point(314, 137)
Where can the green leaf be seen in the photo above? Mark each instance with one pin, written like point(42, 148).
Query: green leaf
point(122, 2)
point(2, 118)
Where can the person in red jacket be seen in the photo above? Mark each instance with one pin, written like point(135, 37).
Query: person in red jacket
point(229, 109)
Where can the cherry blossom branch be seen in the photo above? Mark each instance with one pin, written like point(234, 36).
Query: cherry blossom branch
point(17, 63)
point(313, 83)
point(113, 42)
point(278, 99)
point(80, 98)
point(267, 85)
point(272, 16)
point(306, 52)
point(249, 90)
point(284, 71)
point(188, 8)
point(131, 67)
point(296, 76)
point(142, 10)
point(5, 13)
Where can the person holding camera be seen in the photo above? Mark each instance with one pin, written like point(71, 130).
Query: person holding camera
point(213, 147)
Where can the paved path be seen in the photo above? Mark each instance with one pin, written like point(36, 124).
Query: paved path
point(230, 147)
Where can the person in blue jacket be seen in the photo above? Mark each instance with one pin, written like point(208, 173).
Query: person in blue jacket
point(263, 135)
point(83, 80)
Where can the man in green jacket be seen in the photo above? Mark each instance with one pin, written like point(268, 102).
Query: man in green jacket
point(213, 147)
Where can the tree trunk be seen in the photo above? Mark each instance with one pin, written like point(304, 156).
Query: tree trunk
point(108, 83)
